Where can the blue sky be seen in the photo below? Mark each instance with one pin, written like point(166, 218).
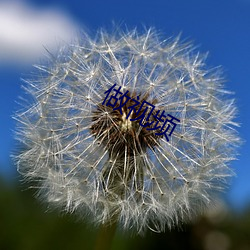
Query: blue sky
point(221, 27)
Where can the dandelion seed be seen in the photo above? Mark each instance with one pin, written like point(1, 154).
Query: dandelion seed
point(109, 161)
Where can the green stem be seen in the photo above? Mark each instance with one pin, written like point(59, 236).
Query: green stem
point(105, 236)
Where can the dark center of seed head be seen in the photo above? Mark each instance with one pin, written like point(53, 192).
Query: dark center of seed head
point(121, 136)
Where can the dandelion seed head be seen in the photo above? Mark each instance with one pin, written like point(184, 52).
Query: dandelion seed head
point(90, 158)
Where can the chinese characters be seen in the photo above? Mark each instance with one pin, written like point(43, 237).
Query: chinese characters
point(131, 109)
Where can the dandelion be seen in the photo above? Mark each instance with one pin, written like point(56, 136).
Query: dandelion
point(111, 162)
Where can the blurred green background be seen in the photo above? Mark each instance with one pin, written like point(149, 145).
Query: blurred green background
point(27, 225)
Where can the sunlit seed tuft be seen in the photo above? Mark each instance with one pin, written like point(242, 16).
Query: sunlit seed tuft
point(88, 158)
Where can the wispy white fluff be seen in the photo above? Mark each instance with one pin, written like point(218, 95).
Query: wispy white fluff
point(165, 184)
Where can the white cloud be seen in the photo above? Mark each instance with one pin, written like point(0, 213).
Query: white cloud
point(25, 31)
